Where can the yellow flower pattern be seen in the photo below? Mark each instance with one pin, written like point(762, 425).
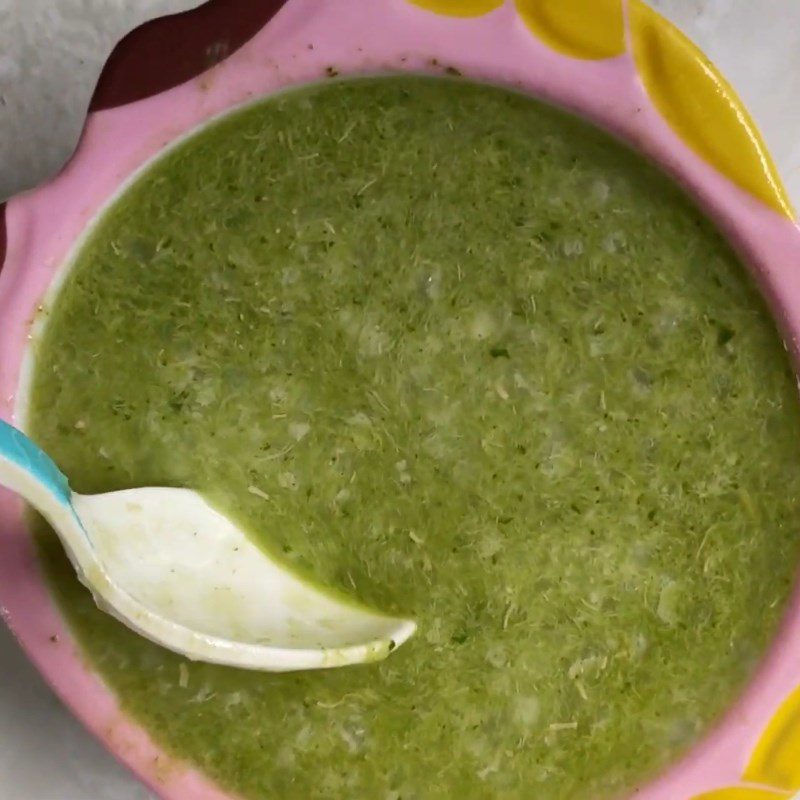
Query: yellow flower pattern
point(776, 759)
point(775, 762)
point(459, 8)
point(586, 29)
point(689, 92)
point(741, 794)
point(701, 106)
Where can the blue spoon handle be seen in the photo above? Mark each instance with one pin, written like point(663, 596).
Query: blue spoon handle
point(17, 448)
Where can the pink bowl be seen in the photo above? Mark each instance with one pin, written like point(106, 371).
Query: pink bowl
point(169, 76)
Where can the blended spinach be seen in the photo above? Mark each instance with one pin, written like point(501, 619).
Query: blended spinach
point(470, 360)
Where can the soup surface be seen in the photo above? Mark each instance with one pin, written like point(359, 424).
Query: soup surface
point(467, 359)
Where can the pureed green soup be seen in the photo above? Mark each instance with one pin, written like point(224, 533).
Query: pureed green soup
point(469, 360)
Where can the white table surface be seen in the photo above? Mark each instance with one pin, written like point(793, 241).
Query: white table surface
point(51, 52)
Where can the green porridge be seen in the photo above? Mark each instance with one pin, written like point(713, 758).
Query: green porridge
point(469, 360)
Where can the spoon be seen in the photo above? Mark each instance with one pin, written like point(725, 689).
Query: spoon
point(179, 573)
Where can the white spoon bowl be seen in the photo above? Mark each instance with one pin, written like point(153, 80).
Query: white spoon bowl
point(179, 573)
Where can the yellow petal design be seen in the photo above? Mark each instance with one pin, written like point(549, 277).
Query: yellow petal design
point(586, 29)
point(702, 107)
point(459, 8)
point(776, 760)
point(741, 793)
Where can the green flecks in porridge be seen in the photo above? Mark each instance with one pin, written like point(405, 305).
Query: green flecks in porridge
point(466, 359)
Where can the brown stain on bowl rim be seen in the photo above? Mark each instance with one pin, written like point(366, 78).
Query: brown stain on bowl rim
point(160, 768)
point(171, 50)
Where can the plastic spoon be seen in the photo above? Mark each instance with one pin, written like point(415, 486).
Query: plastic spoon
point(178, 572)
